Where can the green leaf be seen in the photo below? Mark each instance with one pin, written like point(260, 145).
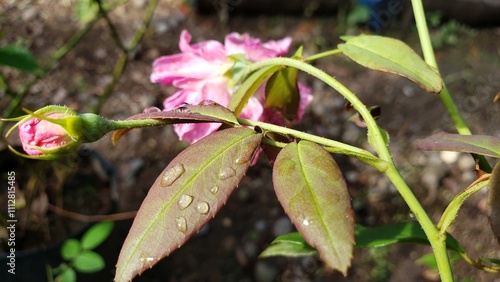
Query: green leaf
point(313, 193)
point(391, 55)
point(282, 92)
point(186, 195)
point(293, 244)
point(407, 232)
point(70, 249)
point(494, 201)
point(248, 87)
point(96, 234)
point(20, 58)
point(68, 275)
point(289, 245)
point(478, 144)
point(89, 262)
point(452, 209)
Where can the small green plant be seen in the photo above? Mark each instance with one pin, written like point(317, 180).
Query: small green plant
point(447, 33)
point(79, 254)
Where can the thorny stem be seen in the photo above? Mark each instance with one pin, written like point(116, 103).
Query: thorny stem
point(479, 265)
point(54, 58)
point(92, 218)
point(111, 26)
point(446, 99)
point(437, 242)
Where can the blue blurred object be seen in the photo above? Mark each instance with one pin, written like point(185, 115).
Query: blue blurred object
point(382, 12)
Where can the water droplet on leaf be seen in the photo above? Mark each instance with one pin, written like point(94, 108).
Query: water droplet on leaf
point(304, 220)
point(182, 110)
point(145, 258)
point(226, 173)
point(207, 103)
point(151, 110)
point(181, 224)
point(172, 174)
point(214, 190)
point(244, 158)
point(202, 207)
point(184, 201)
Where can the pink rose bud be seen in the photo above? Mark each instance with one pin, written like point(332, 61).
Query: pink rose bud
point(50, 132)
point(36, 134)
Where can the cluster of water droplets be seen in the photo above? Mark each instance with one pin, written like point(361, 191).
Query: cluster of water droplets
point(186, 201)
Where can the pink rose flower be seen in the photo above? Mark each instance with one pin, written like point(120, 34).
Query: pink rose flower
point(200, 73)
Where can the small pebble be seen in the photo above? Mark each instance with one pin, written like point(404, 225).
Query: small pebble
point(282, 226)
point(449, 157)
point(466, 162)
point(264, 272)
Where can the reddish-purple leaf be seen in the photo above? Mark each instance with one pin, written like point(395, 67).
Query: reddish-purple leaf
point(206, 111)
point(478, 144)
point(186, 195)
point(313, 193)
point(494, 201)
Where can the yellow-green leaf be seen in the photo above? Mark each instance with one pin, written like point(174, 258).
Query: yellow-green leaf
point(494, 201)
point(394, 56)
point(240, 98)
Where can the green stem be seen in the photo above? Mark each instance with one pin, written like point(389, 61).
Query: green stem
point(446, 99)
point(430, 59)
point(322, 55)
point(303, 135)
point(437, 242)
point(111, 26)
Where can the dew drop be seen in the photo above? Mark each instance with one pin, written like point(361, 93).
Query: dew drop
point(214, 190)
point(226, 173)
point(207, 103)
point(202, 207)
point(145, 258)
point(182, 109)
point(244, 158)
point(172, 174)
point(151, 110)
point(305, 222)
point(184, 201)
point(148, 261)
point(181, 224)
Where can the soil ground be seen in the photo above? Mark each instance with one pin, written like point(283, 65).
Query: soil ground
point(226, 250)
